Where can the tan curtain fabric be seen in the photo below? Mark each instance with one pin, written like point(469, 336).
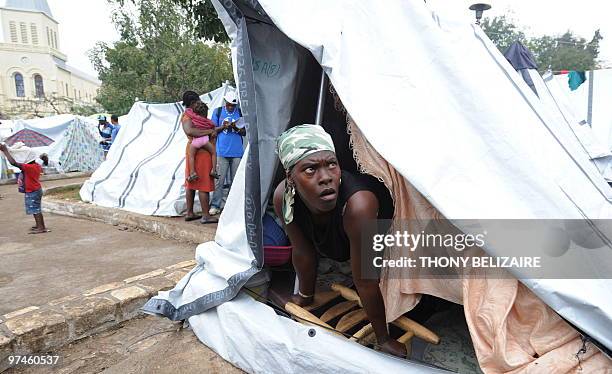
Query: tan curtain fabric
point(512, 329)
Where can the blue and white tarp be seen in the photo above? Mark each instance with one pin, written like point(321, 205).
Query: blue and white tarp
point(75, 144)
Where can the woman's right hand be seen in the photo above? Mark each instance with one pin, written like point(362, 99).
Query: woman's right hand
point(302, 301)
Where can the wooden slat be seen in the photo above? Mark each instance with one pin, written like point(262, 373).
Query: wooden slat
point(346, 292)
point(321, 298)
point(406, 337)
point(368, 339)
point(338, 310)
point(363, 332)
point(351, 320)
point(421, 331)
point(298, 311)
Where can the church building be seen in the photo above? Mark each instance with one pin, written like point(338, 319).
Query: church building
point(35, 80)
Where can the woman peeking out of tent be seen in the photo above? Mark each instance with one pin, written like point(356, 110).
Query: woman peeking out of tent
point(323, 209)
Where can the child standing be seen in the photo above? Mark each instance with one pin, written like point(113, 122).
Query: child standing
point(29, 184)
point(198, 118)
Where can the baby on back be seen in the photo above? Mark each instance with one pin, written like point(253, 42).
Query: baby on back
point(199, 115)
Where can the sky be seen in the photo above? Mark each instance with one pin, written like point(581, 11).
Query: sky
point(548, 17)
point(84, 22)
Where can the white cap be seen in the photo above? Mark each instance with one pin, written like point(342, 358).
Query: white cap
point(231, 98)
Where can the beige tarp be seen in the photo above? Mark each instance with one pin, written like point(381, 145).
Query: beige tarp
point(512, 329)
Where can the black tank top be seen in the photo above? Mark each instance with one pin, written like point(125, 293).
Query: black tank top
point(330, 240)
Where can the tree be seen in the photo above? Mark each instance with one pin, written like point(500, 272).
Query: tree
point(502, 32)
point(158, 56)
point(85, 109)
point(203, 15)
point(51, 104)
point(565, 52)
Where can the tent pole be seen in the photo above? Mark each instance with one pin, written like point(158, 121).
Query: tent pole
point(321, 102)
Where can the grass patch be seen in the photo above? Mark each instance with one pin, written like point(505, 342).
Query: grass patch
point(66, 193)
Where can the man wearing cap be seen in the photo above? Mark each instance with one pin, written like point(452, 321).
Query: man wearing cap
point(106, 132)
point(116, 127)
point(229, 145)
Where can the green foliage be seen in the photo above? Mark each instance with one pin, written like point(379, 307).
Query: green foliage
point(565, 52)
point(157, 58)
point(502, 32)
point(203, 15)
point(84, 109)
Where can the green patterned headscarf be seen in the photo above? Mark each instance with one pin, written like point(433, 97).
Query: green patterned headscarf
point(293, 146)
point(300, 142)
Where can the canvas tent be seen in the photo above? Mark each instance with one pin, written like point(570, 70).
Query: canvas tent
point(576, 136)
point(75, 145)
point(6, 129)
point(591, 102)
point(558, 92)
point(472, 147)
point(144, 170)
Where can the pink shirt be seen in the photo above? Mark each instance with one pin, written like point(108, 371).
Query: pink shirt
point(199, 121)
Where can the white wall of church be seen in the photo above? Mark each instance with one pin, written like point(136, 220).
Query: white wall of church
point(29, 28)
point(29, 47)
point(27, 64)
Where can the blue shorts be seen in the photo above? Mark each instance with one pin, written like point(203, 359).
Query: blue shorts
point(32, 202)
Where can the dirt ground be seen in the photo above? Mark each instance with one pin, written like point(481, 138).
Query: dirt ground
point(77, 255)
point(141, 345)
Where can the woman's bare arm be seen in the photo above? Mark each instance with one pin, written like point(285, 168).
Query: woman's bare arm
point(192, 131)
point(8, 155)
point(362, 209)
point(303, 254)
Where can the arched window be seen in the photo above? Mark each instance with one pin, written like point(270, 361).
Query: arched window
point(19, 87)
point(39, 86)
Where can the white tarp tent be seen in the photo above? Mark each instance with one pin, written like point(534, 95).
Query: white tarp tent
point(591, 102)
point(554, 97)
point(470, 138)
point(560, 95)
point(75, 144)
point(576, 137)
point(6, 129)
point(144, 171)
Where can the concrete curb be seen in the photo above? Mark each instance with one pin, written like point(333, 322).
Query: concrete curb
point(52, 177)
point(161, 226)
point(37, 329)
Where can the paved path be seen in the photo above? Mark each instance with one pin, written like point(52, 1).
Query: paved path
point(142, 345)
point(77, 255)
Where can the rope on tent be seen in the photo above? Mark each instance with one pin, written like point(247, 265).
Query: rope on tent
point(582, 351)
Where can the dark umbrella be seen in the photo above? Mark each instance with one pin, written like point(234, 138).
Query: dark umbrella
point(30, 138)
